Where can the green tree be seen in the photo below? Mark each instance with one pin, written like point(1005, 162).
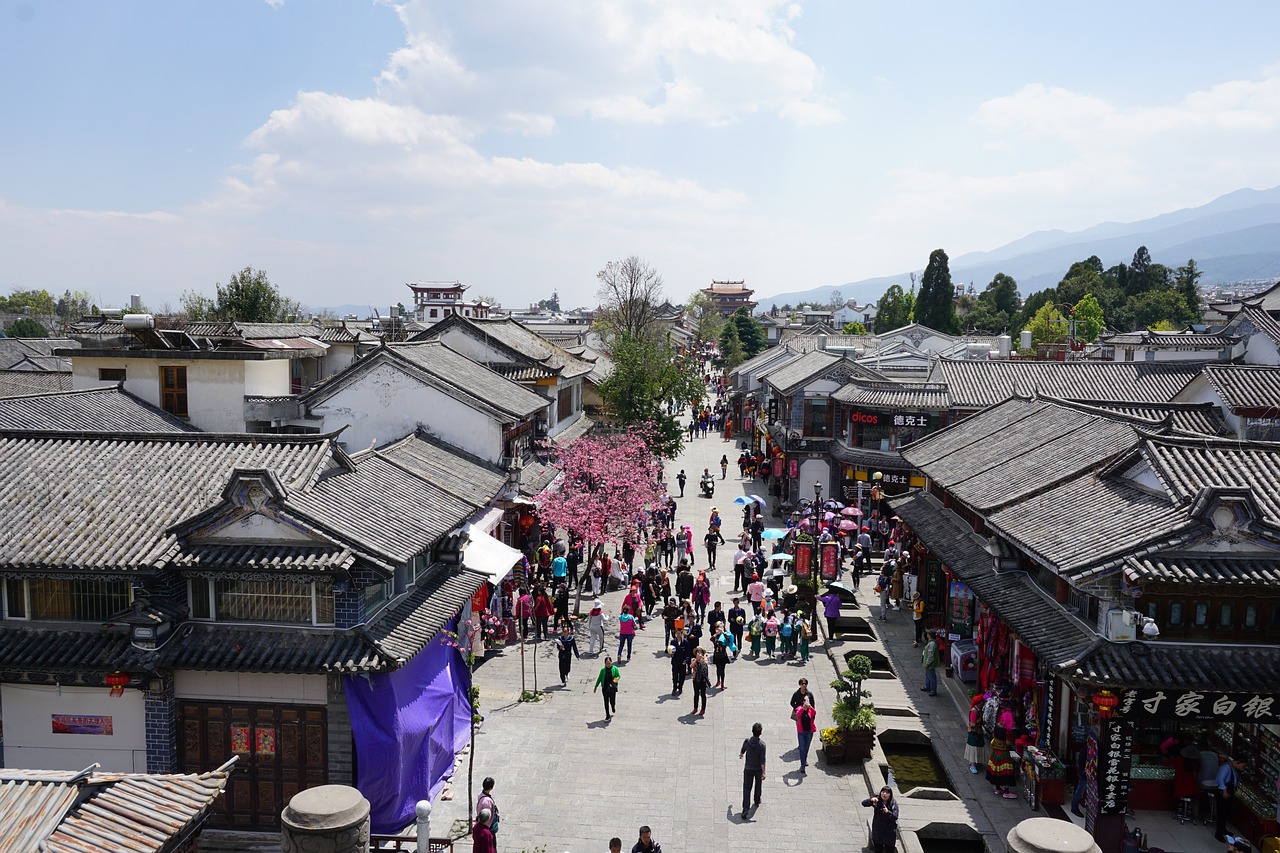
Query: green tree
point(1146, 309)
point(37, 302)
point(935, 304)
point(705, 315)
point(552, 304)
point(1048, 326)
point(73, 305)
point(247, 297)
point(854, 328)
point(25, 327)
point(1001, 294)
point(1186, 280)
point(1090, 321)
point(645, 376)
point(1033, 304)
point(750, 332)
point(731, 354)
point(893, 311)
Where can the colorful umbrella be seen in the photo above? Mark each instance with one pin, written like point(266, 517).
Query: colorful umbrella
point(827, 516)
point(742, 500)
point(851, 511)
point(773, 533)
point(848, 525)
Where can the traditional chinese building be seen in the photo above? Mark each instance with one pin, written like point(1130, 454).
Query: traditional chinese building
point(729, 296)
point(435, 300)
point(1117, 575)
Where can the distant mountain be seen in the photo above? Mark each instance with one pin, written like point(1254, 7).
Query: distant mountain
point(1232, 238)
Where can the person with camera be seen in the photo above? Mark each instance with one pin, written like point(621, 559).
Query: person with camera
point(884, 822)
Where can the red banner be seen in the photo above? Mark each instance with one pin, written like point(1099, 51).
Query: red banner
point(793, 468)
point(777, 466)
point(802, 565)
point(830, 560)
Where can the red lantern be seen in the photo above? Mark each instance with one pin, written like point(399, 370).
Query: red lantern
point(1106, 701)
point(116, 681)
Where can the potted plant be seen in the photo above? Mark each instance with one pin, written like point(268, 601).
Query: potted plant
point(862, 733)
point(833, 744)
point(855, 721)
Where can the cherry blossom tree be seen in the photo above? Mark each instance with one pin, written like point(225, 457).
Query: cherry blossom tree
point(608, 481)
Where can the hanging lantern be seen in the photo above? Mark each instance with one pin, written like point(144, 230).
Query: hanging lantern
point(1106, 701)
point(116, 681)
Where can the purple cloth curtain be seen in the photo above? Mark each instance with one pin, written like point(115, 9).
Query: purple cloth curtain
point(408, 727)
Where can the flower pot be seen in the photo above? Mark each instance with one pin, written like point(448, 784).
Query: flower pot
point(834, 753)
point(858, 744)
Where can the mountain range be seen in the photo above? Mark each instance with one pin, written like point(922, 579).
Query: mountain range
point(1235, 237)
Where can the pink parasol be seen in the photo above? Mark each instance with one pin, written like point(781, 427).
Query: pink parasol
point(848, 525)
point(851, 511)
point(827, 516)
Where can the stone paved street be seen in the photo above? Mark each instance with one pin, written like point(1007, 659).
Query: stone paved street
point(569, 780)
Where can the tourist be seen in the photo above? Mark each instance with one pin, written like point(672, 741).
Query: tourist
point(805, 716)
point(756, 630)
point(567, 648)
point(482, 839)
point(485, 801)
point(543, 608)
point(646, 844)
point(753, 773)
point(626, 633)
point(682, 478)
point(884, 822)
point(608, 679)
point(712, 539)
point(806, 634)
point(755, 592)
point(917, 617)
point(724, 466)
point(720, 657)
point(615, 845)
point(1000, 769)
point(737, 624)
point(831, 610)
point(681, 651)
point(1228, 779)
point(770, 634)
point(882, 587)
point(595, 628)
point(701, 680)
point(929, 660)
point(701, 595)
point(670, 614)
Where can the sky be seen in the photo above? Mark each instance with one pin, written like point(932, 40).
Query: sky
point(347, 147)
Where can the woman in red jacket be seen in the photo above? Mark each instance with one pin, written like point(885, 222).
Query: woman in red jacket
point(543, 608)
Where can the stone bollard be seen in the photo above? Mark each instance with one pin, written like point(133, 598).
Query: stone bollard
point(1047, 835)
point(326, 819)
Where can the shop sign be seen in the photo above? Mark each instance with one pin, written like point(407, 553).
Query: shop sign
point(861, 418)
point(1205, 705)
point(777, 466)
point(961, 612)
point(802, 565)
point(912, 420)
point(793, 467)
point(81, 724)
point(1115, 755)
point(858, 417)
point(746, 424)
point(830, 559)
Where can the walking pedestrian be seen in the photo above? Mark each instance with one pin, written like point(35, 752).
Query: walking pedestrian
point(720, 657)
point(1000, 770)
point(681, 478)
point(701, 681)
point(626, 633)
point(737, 624)
point(929, 660)
point(806, 634)
point(806, 716)
point(646, 844)
point(608, 679)
point(595, 628)
point(753, 770)
point(724, 466)
point(567, 648)
point(543, 608)
point(882, 587)
point(701, 596)
point(755, 592)
point(681, 651)
point(524, 611)
point(770, 634)
point(485, 801)
point(756, 630)
point(712, 539)
point(884, 822)
point(615, 843)
point(482, 839)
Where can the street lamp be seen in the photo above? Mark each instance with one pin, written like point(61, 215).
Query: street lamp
point(817, 491)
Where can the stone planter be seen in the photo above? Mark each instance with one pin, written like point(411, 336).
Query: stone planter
point(858, 744)
point(834, 753)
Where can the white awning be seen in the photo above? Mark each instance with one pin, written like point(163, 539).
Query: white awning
point(487, 555)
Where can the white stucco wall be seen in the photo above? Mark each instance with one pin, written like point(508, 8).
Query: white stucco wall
point(1198, 390)
point(251, 687)
point(215, 388)
point(386, 404)
point(1261, 350)
point(268, 378)
point(472, 348)
point(29, 740)
point(811, 471)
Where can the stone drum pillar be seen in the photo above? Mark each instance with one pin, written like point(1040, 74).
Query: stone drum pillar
point(326, 819)
point(1047, 835)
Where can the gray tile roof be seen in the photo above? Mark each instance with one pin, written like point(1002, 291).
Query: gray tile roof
point(1199, 569)
point(79, 812)
point(97, 410)
point(1247, 389)
point(14, 383)
point(1197, 418)
point(979, 384)
point(1170, 340)
point(519, 339)
point(448, 468)
point(1054, 635)
point(412, 622)
point(1179, 666)
point(15, 350)
point(1187, 465)
point(201, 556)
point(792, 375)
point(894, 395)
point(251, 648)
point(432, 363)
point(83, 502)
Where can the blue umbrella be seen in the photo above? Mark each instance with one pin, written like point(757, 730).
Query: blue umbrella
point(757, 499)
point(773, 533)
point(742, 500)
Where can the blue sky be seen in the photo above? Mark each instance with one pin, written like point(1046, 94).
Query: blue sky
point(518, 145)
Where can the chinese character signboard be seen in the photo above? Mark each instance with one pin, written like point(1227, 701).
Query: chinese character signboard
point(793, 467)
point(80, 724)
point(1205, 705)
point(802, 565)
point(777, 466)
point(830, 560)
point(1115, 755)
point(912, 420)
point(960, 615)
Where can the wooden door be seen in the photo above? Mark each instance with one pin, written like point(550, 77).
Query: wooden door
point(281, 751)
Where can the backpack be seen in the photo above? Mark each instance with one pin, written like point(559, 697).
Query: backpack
point(786, 629)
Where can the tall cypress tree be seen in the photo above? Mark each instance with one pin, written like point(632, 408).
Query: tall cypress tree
point(935, 305)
